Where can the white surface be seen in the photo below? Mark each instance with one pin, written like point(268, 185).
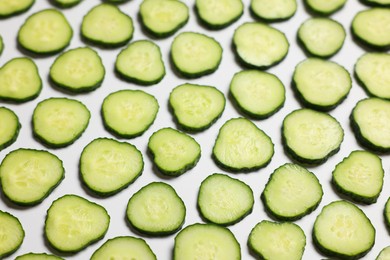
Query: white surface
point(32, 218)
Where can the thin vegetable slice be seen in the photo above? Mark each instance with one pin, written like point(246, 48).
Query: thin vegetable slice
point(384, 254)
point(10, 8)
point(218, 14)
point(11, 234)
point(324, 7)
point(273, 11)
point(9, 129)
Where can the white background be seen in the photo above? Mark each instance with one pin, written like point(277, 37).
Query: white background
point(32, 218)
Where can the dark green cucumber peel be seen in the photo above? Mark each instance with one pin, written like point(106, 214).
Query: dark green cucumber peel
point(16, 133)
point(211, 26)
point(374, 3)
point(315, 12)
point(64, 5)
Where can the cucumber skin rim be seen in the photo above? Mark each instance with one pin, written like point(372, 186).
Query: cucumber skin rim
point(23, 236)
point(58, 4)
point(269, 20)
point(373, 3)
point(9, 15)
point(316, 12)
point(16, 133)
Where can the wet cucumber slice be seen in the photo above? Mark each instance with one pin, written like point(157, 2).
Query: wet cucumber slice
point(73, 223)
point(218, 14)
point(11, 234)
point(19, 80)
point(324, 7)
point(45, 32)
point(273, 11)
point(9, 128)
point(28, 176)
point(156, 209)
point(38, 256)
point(242, 147)
point(10, 8)
point(196, 107)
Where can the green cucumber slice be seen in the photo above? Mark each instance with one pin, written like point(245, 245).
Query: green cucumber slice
point(324, 7)
point(141, 63)
point(45, 32)
point(65, 3)
point(196, 107)
point(10, 8)
point(28, 176)
point(156, 209)
point(73, 223)
point(1, 45)
point(386, 213)
point(38, 256)
point(108, 166)
point(218, 14)
point(9, 128)
point(291, 192)
point(379, 3)
point(273, 11)
point(384, 254)
point(19, 80)
point(242, 147)
point(11, 234)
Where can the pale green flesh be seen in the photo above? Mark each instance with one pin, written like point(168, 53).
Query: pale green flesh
point(343, 228)
point(28, 175)
point(38, 256)
point(259, 44)
point(373, 26)
point(19, 79)
point(196, 106)
point(322, 36)
point(219, 12)
point(73, 222)
point(195, 53)
point(78, 68)
point(384, 254)
point(163, 16)
point(223, 199)
point(107, 165)
point(240, 144)
point(11, 233)
point(322, 82)
point(373, 69)
point(9, 125)
point(372, 115)
point(328, 6)
point(173, 150)
point(60, 120)
point(9, 7)
point(156, 208)
point(129, 112)
point(258, 92)
point(206, 241)
point(360, 173)
point(67, 2)
point(312, 135)
point(45, 32)
point(282, 241)
point(142, 61)
point(106, 23)
point(274, 10)
point(292, 190)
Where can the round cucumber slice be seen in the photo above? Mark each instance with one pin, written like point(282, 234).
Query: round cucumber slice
point(324, 7)
point(38, 256)
point(384, 254)
point(9, 129)
point(10, 8)
point(218, 14)
point(273, 11)
point(12, 234)
point(386, 212)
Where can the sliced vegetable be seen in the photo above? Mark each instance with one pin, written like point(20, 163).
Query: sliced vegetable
point(11, 234)
point(196, 107)
point(384, 254)
point(386, 213)
point(65, 3)
point(324, 7)
point(141, 62)
point(28, 176)
point(380, 3)
point(1, 45)
point(218, 14)
point(242, 147)
point(291, 192)
point(38, 256)
point(10, 8)
point(156, 209)
point(273, 11)
point(9, 127)
point(259, 45)
point(282, 241)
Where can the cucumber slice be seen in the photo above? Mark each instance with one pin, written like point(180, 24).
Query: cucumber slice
point(195, 54)
point(1, 45)
point(163, 18)
point(38, 256)
point(291, 192)
point(19, 80)
point(257, 94)
point(242, 147)
point(311, 137)
point(202, 241)
point(28, 176)
point(124, 247)
point(370, 27)
point(156, 209)
point(108, 166)
point(106, 25)
point(129, 113)
point(11, 234)
point(359, 176)
point(343, 230)
point(224, 200)
point(386, 213)
point(321, 84)
point(141, 63)
point(9, 127)
point(173, 152)
point(65, 3)
point(59, 122)
point(370, 121)
point(282, 241)
point(380, 3)
point(218, 14)
point(73, 223)
point(321, 37)
point(372, 70)
point(10, 8)
point(196, 107)
point(259, 45)
point(324, 7)
point(273, 11)
point(45, 32)
point(78, 70)
point(384, 254)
